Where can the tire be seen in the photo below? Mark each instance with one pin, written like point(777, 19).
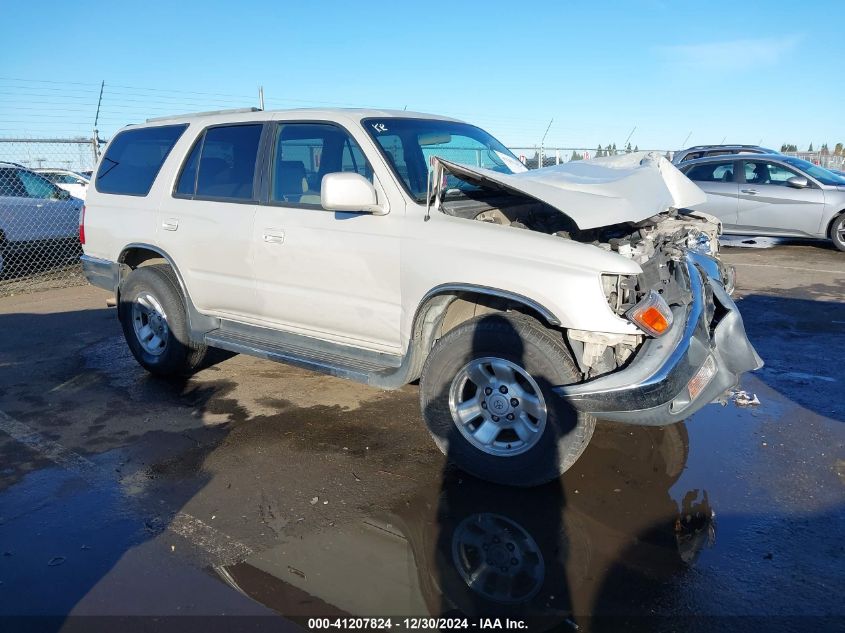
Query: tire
point(837, 232)
point(542, 444)
point(150, 297)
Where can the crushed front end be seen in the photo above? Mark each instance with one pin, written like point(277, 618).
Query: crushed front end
point(700, 355)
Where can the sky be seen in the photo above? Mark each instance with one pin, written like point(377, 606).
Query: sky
point(675, 73)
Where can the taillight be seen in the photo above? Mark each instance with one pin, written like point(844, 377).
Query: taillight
point(82, 225)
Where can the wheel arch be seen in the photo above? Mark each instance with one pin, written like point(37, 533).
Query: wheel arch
point(446, 306)
point(829, 231)
point(138, 254)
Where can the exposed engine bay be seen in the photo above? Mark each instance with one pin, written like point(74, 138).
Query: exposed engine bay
point(636, 240)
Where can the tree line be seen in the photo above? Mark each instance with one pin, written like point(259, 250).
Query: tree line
point(838, 149)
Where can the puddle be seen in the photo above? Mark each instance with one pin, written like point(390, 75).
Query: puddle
point(466, 546)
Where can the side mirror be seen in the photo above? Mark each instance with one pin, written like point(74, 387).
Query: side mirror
point(349, 192)
point(61, 194)
point(798, 182)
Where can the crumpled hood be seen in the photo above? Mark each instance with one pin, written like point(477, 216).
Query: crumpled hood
point(598, 192)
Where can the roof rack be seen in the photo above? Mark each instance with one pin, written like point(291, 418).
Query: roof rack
point(209, 113)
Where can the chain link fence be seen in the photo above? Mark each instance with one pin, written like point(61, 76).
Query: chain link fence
point(43, 183)
point(533, 156)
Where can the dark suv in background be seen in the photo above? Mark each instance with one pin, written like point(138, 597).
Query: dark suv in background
point(703, 151)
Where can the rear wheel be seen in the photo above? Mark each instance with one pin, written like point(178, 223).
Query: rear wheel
point(837, 232)
point(155, 324)
point(486, 398)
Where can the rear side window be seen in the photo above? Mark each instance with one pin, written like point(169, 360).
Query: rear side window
point(712, 172)
point(222, 163)
point(134, 159)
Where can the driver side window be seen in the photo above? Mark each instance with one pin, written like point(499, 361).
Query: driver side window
point(759, 172)
point(36, 186)
point(304, 153)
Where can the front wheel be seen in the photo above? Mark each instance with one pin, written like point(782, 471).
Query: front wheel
point(486, 398)
point(837, 232)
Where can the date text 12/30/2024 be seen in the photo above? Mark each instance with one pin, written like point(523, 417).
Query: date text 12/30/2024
point(414, 624)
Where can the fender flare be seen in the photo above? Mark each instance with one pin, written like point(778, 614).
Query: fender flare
point(449, 288)
point(198, 323)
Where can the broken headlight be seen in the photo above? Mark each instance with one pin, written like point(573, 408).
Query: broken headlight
point(620, 292)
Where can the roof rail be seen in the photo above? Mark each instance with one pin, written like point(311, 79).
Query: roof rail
point(196, 114)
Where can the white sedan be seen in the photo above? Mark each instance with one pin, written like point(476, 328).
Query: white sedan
point(75, 184)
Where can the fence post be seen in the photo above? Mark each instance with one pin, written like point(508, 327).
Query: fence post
point(95, 147)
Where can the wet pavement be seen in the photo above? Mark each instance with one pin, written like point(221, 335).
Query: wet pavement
point(255, 489)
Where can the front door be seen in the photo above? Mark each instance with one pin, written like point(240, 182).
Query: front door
point(329, 275)
point(767, 204)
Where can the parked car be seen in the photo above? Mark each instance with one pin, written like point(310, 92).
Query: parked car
point(772, 194)
point(527, 303)
point(75, 184)
point(703, 151)
point(37, 218)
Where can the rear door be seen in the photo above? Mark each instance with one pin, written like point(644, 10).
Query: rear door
point(767, 204)
point(205, 223)
point(717, 179)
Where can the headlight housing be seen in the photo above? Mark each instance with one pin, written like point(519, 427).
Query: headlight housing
point(620, 292)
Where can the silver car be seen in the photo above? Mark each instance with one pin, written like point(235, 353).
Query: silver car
point(771, 194)
point(38, 220)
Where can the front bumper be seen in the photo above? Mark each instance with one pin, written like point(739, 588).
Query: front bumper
point(654, 388)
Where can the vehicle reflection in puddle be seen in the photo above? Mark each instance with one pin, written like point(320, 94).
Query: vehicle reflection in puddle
point(473, 548)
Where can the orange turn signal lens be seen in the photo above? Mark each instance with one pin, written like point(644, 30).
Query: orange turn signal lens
point(652, 315)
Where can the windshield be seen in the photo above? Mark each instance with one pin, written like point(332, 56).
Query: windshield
point(819, 173)
point(410, 144)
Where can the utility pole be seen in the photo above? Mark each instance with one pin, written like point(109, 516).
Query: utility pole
point(95, 142)
point(543, 140)
point(261, 97)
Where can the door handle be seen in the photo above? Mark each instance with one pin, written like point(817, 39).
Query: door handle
point(274, 236)
point(170, 224)
point(750, 192)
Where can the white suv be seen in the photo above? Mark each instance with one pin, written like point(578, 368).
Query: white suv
point(388, 247)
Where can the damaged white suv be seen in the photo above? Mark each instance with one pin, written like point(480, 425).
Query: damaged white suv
point(390, 247)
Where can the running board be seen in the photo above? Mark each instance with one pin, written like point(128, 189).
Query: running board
point(302, 351)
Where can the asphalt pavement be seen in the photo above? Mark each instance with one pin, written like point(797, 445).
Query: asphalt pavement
point(271, 495)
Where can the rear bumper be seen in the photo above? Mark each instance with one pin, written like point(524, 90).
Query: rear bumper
point(100, 272)
point(654, 388)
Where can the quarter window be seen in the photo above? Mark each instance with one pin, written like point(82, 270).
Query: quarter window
point(134, 159)
point(305, 152)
